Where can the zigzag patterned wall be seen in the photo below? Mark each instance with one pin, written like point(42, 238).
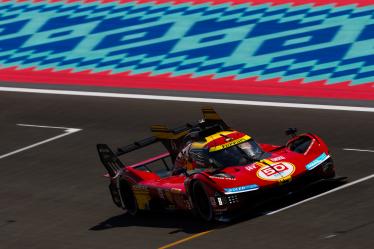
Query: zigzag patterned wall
point(286, 42)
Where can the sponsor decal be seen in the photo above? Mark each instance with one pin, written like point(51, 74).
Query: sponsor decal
point(241, 189)
point(232, 143)
point(285, 180)
point(219, 199)
point(222, 178)
point(142, 196)
point(139, 188)
point(251, 167)
point(276, 171)
point(320, 159)
point(278, 158)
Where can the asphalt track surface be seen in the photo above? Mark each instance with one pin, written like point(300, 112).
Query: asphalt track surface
point(54, 195)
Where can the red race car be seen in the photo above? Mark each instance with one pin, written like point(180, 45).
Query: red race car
point(212, 170)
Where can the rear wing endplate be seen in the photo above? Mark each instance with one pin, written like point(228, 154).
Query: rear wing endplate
point(110, 161)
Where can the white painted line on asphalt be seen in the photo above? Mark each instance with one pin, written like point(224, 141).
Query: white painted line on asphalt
point(190, 99)
point(330, 236)
point(323, 194)
point(46, 126)
point(67, 131)
point(360, 150)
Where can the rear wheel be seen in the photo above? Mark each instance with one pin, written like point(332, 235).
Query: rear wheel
point(128, 197)
point(201, 202)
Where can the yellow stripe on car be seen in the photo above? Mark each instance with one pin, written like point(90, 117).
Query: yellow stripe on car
point(229, 144)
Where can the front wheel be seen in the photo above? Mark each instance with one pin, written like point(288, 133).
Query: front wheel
point(201, 203)
point(328, 169)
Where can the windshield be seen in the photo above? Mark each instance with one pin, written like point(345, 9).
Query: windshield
point(237, 155)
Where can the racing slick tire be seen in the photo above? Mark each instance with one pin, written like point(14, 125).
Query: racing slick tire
point(201, 203)
point(128, 198)
point(328, 169)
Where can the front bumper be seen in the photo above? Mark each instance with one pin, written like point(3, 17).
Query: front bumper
point(227, 205)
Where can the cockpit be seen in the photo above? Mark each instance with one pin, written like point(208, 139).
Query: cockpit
point(240, 154)
point(237, 155)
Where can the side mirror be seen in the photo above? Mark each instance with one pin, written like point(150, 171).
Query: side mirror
point(291, 131)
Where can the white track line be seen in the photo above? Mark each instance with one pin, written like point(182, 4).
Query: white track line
point(349, 149)
point(45, 126)
point(190, 99)
point(67, 131)
point(323, 194)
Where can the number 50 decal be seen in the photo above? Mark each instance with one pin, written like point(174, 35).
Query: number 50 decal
point(276, 171)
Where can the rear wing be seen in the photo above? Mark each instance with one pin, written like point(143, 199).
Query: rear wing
point(168, 138)
point(211, 116)
point(173, 139)
point(110, 161)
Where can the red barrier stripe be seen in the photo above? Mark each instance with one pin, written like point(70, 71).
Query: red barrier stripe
point(185, 83)
point(232, 2)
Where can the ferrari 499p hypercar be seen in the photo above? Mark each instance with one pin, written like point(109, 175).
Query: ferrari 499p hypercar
point(213, 171)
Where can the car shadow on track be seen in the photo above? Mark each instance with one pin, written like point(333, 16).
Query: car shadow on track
point(186, 223)
point(180, 221)
point(284, 201)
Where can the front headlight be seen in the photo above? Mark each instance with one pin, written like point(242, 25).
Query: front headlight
point(232, 199)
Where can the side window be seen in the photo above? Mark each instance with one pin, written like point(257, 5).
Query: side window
point(157, 167)
point(161, 167)
point(199, 157)
point(300, 145)
point(168, 162)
